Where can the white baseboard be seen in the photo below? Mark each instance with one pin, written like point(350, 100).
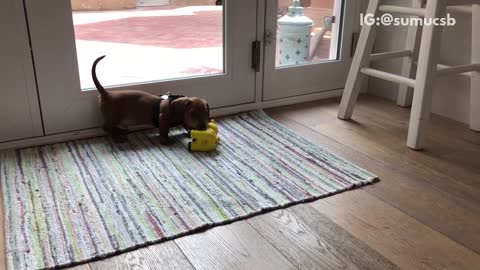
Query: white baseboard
point(93, 132)
point(61, 137)
point(276, 102)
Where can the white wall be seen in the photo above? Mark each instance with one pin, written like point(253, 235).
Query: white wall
point(451, 94)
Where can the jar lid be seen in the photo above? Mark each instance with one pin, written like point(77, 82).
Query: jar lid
point(295, 16)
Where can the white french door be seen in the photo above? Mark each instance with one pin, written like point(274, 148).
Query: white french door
point(191, 50)
point(198, 49)
point(301, 59)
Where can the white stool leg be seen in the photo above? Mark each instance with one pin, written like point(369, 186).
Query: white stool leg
point(360, 59)
point(475, 80)
point(426, 71)
point(405, 93)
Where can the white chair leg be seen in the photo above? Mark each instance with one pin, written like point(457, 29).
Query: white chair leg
point(426, 70)
point(405, 93)
point(360, 59)
point(475, 80)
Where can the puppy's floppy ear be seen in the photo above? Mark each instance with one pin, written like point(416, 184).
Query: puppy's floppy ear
point(179, 105)
point(208, 109)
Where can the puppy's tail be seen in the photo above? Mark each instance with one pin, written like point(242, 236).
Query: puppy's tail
point(100, 88)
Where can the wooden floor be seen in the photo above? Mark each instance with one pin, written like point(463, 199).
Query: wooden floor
point(423, 214)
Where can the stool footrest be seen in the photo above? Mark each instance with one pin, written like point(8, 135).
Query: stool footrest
point(460, 9)
point(390, 55)
point(388, 76)
point(443, 70)
point(420, 12)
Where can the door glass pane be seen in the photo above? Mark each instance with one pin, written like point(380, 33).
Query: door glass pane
point(148, 40)
point(307, 31)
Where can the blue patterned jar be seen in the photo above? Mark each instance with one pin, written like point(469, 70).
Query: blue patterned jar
point(294, 31)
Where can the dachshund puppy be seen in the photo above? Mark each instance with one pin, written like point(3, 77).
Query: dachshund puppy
point(124, 108)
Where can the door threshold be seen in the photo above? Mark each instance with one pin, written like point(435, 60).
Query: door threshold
point(95, 132)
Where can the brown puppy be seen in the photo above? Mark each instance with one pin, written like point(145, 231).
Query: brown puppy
point(125, 108)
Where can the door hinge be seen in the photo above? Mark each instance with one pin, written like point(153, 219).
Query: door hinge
point(256, 55)
point(354, 43)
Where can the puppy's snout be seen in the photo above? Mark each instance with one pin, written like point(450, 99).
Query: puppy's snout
point(203, 126)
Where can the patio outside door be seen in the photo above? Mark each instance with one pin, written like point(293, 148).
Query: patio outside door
point(189, 47)
point(308, 46)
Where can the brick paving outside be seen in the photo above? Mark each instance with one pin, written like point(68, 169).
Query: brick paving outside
point(151, 44)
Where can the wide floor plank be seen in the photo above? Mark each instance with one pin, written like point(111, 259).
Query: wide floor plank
point(164, 256)
point(385, 141)
point(405, 241)
point(445, 128)
point(442, 143)
point(393, 151)
point(436, 208)
point(235, 246)
point(312, 241)
point(81, 267)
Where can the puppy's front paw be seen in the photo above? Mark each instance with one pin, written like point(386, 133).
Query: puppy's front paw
point(166, 141)
point(120, 139)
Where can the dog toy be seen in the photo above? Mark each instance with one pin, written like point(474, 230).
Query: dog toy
point(204, 140)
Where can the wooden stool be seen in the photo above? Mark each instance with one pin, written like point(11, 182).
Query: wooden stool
point(427, 67)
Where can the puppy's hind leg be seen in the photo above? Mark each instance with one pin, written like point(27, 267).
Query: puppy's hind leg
point(118, 134)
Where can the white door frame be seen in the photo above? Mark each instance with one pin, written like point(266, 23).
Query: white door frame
point(66, 108)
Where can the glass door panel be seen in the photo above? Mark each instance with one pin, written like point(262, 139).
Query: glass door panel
point(150, 42)
point(191, 47)
point(307, 46)
point(321, 39)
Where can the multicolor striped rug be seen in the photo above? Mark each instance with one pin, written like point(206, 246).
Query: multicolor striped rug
point(73, 202)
